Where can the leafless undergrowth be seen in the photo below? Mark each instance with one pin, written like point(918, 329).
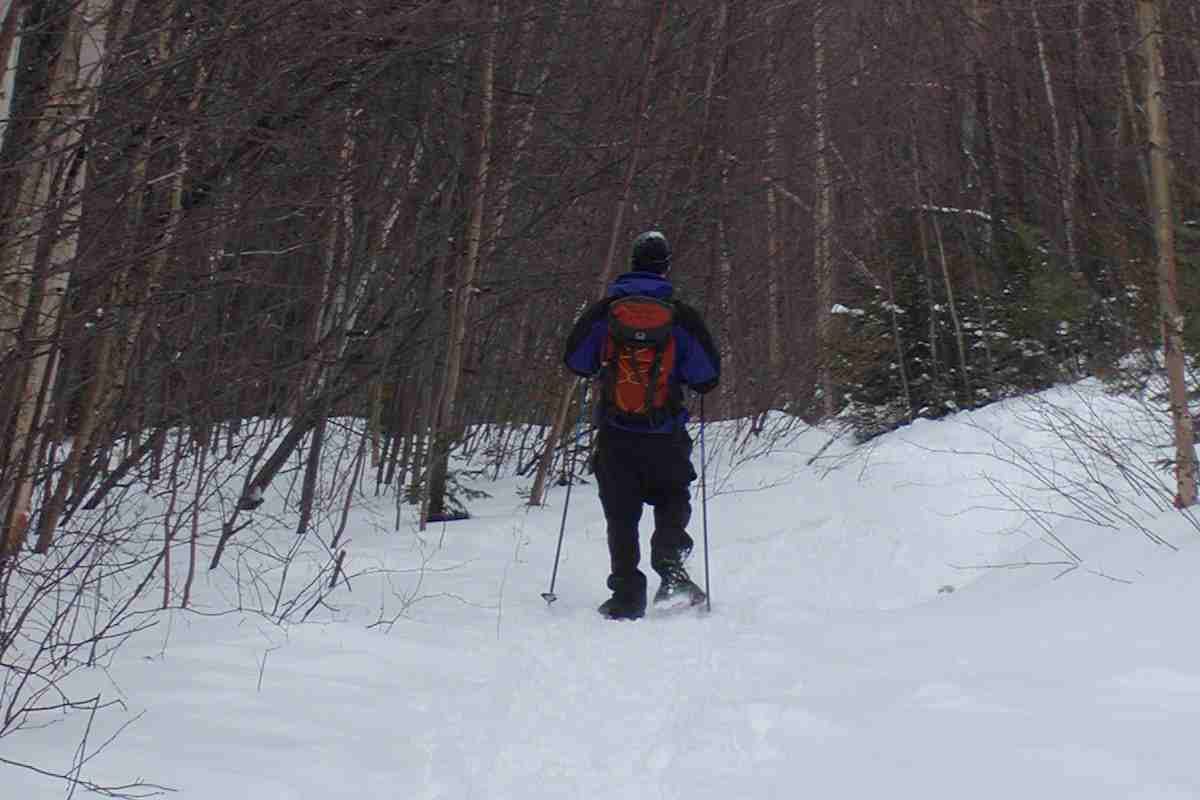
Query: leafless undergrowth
point(1101, 461)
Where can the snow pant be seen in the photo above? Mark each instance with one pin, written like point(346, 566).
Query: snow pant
point(633, 469)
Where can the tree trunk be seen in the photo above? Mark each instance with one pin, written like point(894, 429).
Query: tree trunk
point(1065, 155)
point(985, 115)
point(952, 306)
point(1128, 132)
point(715, 106)
point(464, 288)
point(823, 217)
point(730, 404)
point(1149, 19)
point(10, 53)
point(980, 144)
point(32, 288)
point(774, 168)
point(927, 207)
point(114, 354)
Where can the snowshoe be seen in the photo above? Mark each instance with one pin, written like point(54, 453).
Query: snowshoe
point(628, 600)
point(615, 608)
point(677, 590)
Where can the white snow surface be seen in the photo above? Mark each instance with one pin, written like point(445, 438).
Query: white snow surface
point(885, 623)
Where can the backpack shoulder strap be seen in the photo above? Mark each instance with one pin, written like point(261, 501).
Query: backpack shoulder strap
point(691, 321)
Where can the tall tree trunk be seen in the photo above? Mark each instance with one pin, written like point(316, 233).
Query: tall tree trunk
point(823, 216)
point(114, 353)
point(464, 288)
point(774, 113)
point(984, 134)
point(712, 105)
point(716, 110)
point(1149, 17)
point(1128, 133)
point(1065, 154)
point(1074, 155)
point(33, 287)
point(980, 144)
point(952, 305)
point(729, 370)
point(618, 227)
point(329, 302)
point(10, 53)
point(1017, 118)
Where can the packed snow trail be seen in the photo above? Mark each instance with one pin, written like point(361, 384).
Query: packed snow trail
point(849, 653)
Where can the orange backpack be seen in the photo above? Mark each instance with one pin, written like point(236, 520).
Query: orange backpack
point(638, 358)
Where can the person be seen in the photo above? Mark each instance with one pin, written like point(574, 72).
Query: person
point(645, 460)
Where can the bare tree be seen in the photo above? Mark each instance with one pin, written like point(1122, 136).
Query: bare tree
point(464, 287)
point(772, 134)
point(1065, 152)
point(1149, 16)
point(36, 261)
point(823, 211)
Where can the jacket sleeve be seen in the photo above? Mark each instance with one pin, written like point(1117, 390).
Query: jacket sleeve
point(700, 366)
point(586, 340)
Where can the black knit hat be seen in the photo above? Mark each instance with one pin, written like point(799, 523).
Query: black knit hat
point(651, 252)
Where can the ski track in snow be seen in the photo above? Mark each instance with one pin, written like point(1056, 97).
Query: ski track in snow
point(830, 666)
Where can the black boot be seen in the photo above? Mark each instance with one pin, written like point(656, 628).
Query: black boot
point(628, 600)
point(677, 590)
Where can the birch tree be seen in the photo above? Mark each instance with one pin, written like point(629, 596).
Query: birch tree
point(823, 213)
point(35, 273)
point(1149, 18)
point(774, 167)
point(1065, 150)
point(464, 287)
point(719, 102)
point(10, 52)
point(113, 353)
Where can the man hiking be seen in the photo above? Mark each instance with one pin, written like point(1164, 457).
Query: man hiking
point(643, 346)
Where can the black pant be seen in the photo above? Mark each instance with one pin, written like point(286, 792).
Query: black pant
point(637, 468)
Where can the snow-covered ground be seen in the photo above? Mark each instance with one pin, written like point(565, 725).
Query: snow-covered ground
point(885, 623)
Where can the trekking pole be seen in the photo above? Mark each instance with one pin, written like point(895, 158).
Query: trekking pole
point(550, 596)
point(704, 508)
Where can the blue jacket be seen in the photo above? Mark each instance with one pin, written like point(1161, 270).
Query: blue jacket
point(697, 360)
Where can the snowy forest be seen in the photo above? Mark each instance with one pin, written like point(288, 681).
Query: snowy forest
point(273, 255)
